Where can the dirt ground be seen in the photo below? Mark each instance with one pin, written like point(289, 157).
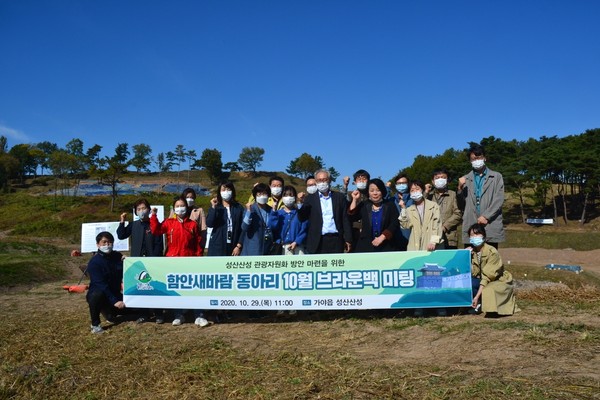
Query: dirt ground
point(588, 260)
point(447, 346)
point(548, 342)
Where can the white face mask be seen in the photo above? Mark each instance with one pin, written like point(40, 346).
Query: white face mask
point(190, 201)
point(289, 201)
point(311, 189)
point(180, 211)
point(106, 249)
point(476, 240)
point(361, 185)
point(440, 183)
point(323, 187)
point(142, 214)
point(478, 164)
point(416, 196)
point(276, 190)
point(226, 195)
point(262, 199)
point(402, 187)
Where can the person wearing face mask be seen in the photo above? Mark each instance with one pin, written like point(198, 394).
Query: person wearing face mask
point(329, 228)
point(105, 269)
point(183, 240)
point(257, 237)
point(361, 179)
point(183, 234)
point(225, 217)
point(492, 284)
point(402, 194)
point(196, 213)
point(276, 184)
point(143, 244)
point(311, 188)
point(423, 220)
point(481, 195)
point(379, 218)
point(449, 211)
point(286, 227)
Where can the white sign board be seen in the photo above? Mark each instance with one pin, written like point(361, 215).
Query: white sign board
point(91, 230)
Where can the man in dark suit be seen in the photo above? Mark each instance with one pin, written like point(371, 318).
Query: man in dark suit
point(329, 229)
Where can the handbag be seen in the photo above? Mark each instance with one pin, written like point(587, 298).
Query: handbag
point(277, 247)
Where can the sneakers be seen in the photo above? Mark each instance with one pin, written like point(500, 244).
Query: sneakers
point(281, 313)
point(97, 329)
point(201, 322)
point(109, 317)
point(160, 320)
point(178, 321)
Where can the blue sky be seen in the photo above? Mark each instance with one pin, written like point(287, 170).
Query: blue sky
point(363, 84)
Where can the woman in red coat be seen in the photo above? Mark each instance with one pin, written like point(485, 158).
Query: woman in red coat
point(183, 235)
point(183, 240)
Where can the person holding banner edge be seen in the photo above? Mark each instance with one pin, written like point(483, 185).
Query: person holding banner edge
point(493, 283)
point(105, 269)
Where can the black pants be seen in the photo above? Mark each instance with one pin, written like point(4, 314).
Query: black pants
point(99, 304)
point(331, 243)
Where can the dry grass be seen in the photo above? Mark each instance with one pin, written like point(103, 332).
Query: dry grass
point(47, 352)
point(585, 293)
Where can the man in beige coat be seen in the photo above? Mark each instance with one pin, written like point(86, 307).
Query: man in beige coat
point(450, 213)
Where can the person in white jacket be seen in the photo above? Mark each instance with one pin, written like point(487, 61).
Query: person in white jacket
point(423, 219)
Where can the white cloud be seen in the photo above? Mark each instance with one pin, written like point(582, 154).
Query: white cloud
point(14, 134)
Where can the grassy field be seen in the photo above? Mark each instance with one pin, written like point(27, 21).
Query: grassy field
point(550, 350)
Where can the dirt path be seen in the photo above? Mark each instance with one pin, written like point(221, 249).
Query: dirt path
point(588, 260)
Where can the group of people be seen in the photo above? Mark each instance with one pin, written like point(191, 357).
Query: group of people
point(278, 220)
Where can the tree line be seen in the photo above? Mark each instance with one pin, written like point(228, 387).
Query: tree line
point(550, 176)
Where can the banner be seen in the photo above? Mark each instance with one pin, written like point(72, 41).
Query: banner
point(416, 279)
